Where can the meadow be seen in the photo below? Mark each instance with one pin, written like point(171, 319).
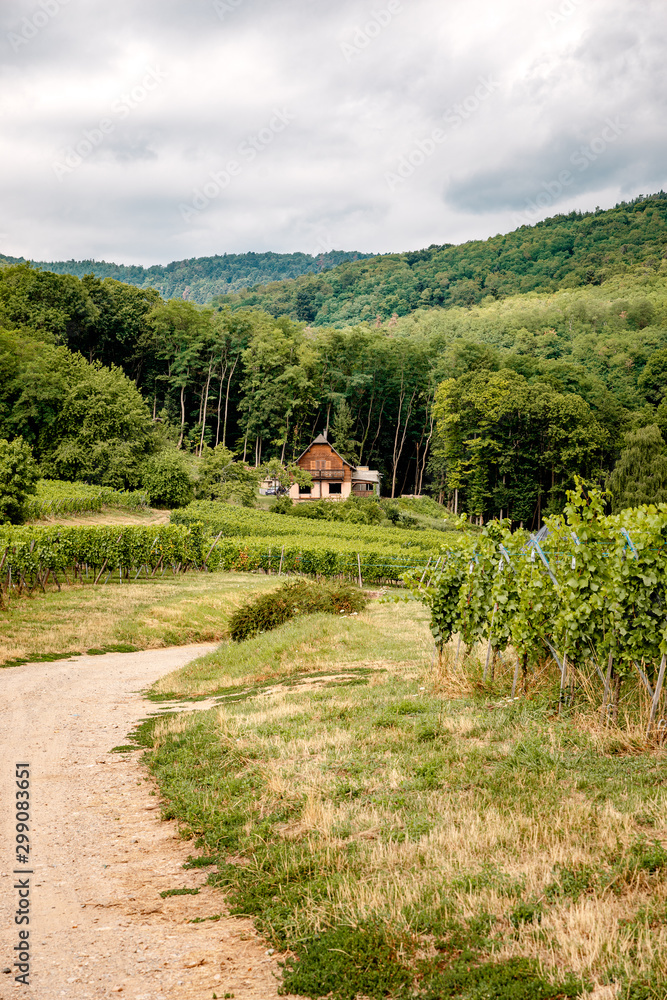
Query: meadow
point(402, 837)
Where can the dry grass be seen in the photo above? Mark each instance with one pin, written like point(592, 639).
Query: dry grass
point(418, 793)
point(108, 515)
point(148, 614)
point(373, 640)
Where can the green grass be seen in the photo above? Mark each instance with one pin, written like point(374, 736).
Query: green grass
point(444, 847)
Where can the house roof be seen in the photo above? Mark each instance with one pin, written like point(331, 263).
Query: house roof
point(366, 476)
point(321, 439)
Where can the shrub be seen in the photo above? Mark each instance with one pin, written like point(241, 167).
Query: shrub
point(18, 480)
point(168, 481)
point(296, 598)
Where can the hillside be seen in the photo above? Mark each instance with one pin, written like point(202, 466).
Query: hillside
point(202, 278)
point(493, 406)
point(566, 251)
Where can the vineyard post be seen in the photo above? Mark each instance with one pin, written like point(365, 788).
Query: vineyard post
point(488, 648)
point(563, 681)
point(282, 556)
point(268, 572)
point(434, 571)
point(607, 682)
point(425, 570)
point(516, 677)
point(359, 568)
point(215, 542)
point(646, 682)
point(656, 696)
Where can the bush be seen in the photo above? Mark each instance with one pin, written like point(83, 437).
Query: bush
point(168, 481)
point(354, 510)
point(18, 480)
point(297, 598)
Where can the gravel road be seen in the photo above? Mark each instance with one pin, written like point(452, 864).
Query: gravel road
point(100, 853)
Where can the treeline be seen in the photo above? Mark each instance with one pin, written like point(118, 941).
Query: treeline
point(566, 251)
point(491, 408)
point(200, 279)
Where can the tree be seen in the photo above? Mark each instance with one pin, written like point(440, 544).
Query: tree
point(511, 446)
point(84, 421)
point(18, 479)
point(640, 475)
point(222, 478)
point(168, 481)
point(284, 475)
point(180, 333)
point(342, 431)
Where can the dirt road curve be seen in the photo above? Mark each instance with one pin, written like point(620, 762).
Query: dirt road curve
point(101, 856)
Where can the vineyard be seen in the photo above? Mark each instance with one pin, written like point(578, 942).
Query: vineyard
point(55, 498)
point(31, 557)
point(588, 592)
point(256, 540)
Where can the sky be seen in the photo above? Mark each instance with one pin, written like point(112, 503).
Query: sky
point(146, 131)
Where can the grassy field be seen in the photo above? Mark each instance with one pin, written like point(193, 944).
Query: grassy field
point(404, 842)
point(168, 611)
point(108, 515)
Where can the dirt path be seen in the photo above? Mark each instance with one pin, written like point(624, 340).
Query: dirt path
point(101, 854)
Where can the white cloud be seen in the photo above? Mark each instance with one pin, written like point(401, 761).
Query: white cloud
point(561, 69)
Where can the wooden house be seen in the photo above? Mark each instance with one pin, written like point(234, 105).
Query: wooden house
point(333, 476)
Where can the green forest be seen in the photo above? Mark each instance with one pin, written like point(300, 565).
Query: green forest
point(486, 375)
point(202, 278)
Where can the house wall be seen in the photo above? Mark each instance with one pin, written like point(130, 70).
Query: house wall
point(321, 458)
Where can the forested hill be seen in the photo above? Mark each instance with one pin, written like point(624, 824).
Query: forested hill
point(566, 251)
point(202, 278)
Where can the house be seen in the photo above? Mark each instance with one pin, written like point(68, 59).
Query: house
point(333, 476)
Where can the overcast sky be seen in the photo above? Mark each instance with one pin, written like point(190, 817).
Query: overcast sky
point(145, 131)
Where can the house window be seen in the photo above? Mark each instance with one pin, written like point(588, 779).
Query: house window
point(335, 488)
point(305, 490)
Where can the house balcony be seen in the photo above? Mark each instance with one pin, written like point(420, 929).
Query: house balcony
point(327, 475)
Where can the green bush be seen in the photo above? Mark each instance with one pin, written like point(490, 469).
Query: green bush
point(18, 480)
point(168, 481)
point(354, 510)
point(296, 598)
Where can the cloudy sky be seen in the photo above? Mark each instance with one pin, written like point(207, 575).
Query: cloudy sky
point(145, 131)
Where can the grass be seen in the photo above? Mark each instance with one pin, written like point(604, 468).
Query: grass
point(108, 515)
point(405, 842)
point(148, 614)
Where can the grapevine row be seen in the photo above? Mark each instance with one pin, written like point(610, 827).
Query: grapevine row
point(590, 591)
point(30, 556)
point(55, 498)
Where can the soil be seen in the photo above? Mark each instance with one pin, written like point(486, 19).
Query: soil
point(101, 854)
